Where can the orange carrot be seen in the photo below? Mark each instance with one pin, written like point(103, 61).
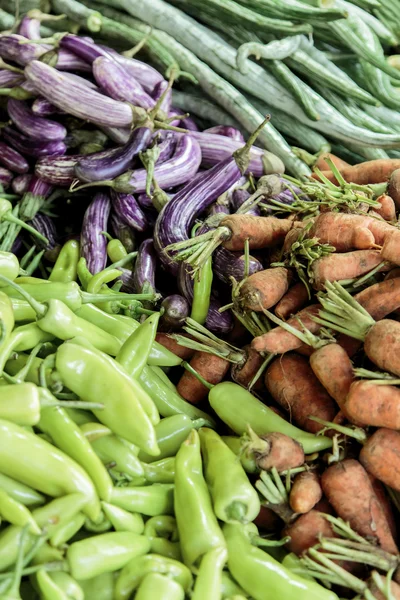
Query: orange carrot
point(349, 344)
point(387, 209)
point(294, 300)
point(305, 531)
point(322, 165)
point(168, 342)
point(334, 369)
point(391, 247)
point(348, 488)
point(212, 368)
point(385, 503)
point(372, 171)
point(279, 341)
point(291, 237)
point(393, 273)
point(264, 288)
point(382, 345)
point(348, 265)
point(378, 595)
point(305, 493)
point(380, 456)
point(279, 451)
point(393, 188)
point(267, 519)
point(243, 373)
point(293, 385)
point(369, 404)
point(343, 231)
point(261, 232)
point(381, 298)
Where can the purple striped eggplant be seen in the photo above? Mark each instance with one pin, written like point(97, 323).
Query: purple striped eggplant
point(167, 147)
point(129, 211)
point(67, 61)
point(45, 225)
point(12, 50)
point(8, 79)
point(64, 93)
point(5, 177)
point(239, 197)
point(20, 183)
point(123, 232)
point(176, 309)
point(29, 28)
point(30, 147)
point(146, 201)
point(145, 268)
point(216, 148)
point(17, 244)
point(182, 167)
point(34, 127)
point(106, 166)
point(33, 200)
point(57, 170)
point(85, 48)
point(228, 264)
point(79, 81)
point(93, 242)
point(41, 107)
point(226, 131)
point(147, 76)
point(12, 159)
point(115, 81)
point(159, 89)
point(128, 282)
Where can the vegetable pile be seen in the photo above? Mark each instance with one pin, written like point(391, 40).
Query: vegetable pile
point(198, 352)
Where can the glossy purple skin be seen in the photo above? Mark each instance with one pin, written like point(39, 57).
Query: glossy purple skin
point(158, 91)
point(128, 283)
point(9, 79)
point(12, 159)
point(181, 168)
point(41, 107)
point(215, 148)
point(45, 225)
point(93, 243)
point(129, 211)
point(29, 28)
point(122, 232)
point(176, 310)
point(68, 61)
point(31, 147)
point(147, 76)
point(20, 184)
point(176, 218)
point(116, 82)
point(5, 177)
point(22, 54)
point(39, 187)
point(239, 197)
point(228, 264)
point(34, 127)
point(167, 147)
point(145, 267)
point(57, 170)
point(227, 131)
point(109, 164)
point(82, 47)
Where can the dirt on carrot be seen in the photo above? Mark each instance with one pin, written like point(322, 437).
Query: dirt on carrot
point(261, 232)
point(279, 451)
point(305, 531)
point(244, 373)
point(293, 301)
point(305, 492)
point(369, 404)
point(380, 456)
point(348, 265)
point(334, 369)
point(212, 368)
point(264, 288)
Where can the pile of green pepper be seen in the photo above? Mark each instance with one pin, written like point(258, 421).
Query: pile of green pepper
point(111, 485)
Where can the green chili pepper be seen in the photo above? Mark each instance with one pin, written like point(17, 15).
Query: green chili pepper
point(135, 571)
point(83, 273)
point(161, 587)
point(135, 351)
point(20, 403)
point(67, 436)
point(37, 463)
point(198, 528)
point(202, 292)
point(239, 409)
point(80, 417)
point(256, 571)
point(20, 492)
point(48, 588)
point(246, 458)
point(92, 375)
point(67, 584)
point(163, 534)
point(233, 496)
point(9, 265)
point(116, 250)
point(100, 526)
point(209, 579)
point(7, 319)
point(229, 588)
point(150, 500)
point(162, 374)
point(160, 471)
point(112, 452)
point(97, 281)
point(24, 337)
point(16, 513)
point(122, 520)
point(105, 553)
point(99, 588)
point(66, 531)
point(65, 267)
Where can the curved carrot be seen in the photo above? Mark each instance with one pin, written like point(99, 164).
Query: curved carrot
point(332, 366)
point(264, 288)
point(293, 301)
point(387, 209)
point(348, 265)
point(322, 165)
point(261, 232)
point(279, 451)
point(380, 456)
point(344, 231)
point(369, 404)
point(371, 171)
point(212, 368)
point(381, 298)
point(382, 345)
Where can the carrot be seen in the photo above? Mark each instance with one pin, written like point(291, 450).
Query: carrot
point(343, 231)
point(371, 171)
point(385, 503)
point(378, 595)
point(393, 273)
point(391, 247)
point(334, 370)
point(294, 300)
point(305, 531)
point(212, 368)
point(279, 451)
point(369, 404)
point(348, 488)
point(382, 345)
point(380, 456)
point(293, 385)
point(305, 350)
point(393, 188)
point(387, 209)
point(264, 288)
point(381, 298)
point(262, 232)
point(168, 342)
point(348, 265)
point(305, 493)
point(322, 165)
point(279, 341)
point(291, 237)
point(267, 519)
point(349, 344)
point(244, 373)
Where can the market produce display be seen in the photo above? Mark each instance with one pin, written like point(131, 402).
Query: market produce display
point(199, 300)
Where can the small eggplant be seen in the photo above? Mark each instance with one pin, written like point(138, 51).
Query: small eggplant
point(85, 48)
point(33, 126)
point(8, 79)
point(239, 197)
point(145, 268)
point(12, 159)
point(228, 264)
point(158, 91)
point(41, 107)
point(11, 49)
point(45, 225)
point(32, 201)
point(129, 211)
point(226, 131)
point(57, 170)
point(20, 184)
point(5, 177)
point(147, 76)
point(175, 309)
point(31, 147)
point(93, 242)
point(123, 232)
point(67, 61)
point(29, 28)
